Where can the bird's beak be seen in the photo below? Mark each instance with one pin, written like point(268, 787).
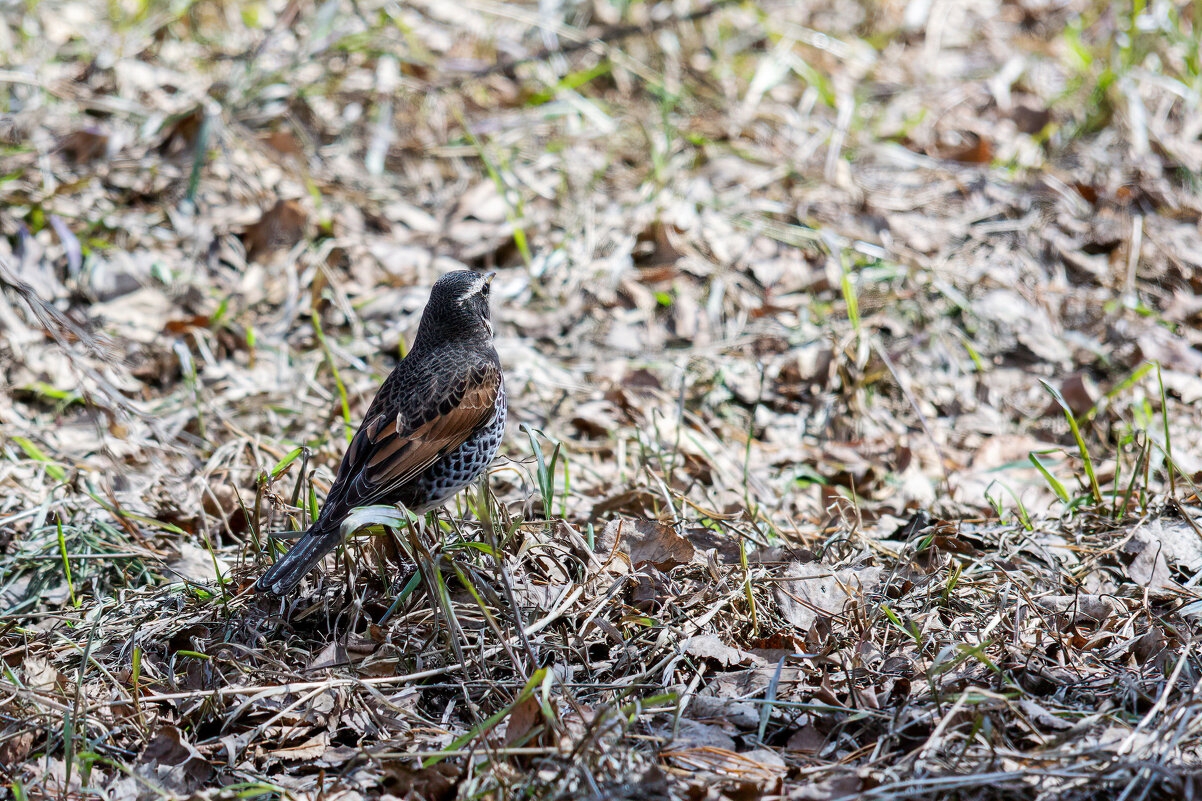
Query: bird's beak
point(488, 276)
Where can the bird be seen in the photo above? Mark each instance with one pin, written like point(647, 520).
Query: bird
point(435, 424)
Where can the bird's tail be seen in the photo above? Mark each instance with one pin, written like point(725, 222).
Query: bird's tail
point(290, 568)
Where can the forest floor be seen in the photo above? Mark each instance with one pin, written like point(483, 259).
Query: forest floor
point(854, 355)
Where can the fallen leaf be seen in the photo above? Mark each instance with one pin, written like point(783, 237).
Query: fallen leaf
point(333, 655)
point(708, 646)
point(38, 673)
point(1042, 718)
point(808, 739)
point(724, 546)
point(197, 564)
point(435, 783)
point(810, 590)
point(14, 750)
point(1030, 119)
point(648, 542)
point(1075, 608)
point(282, 142)
point(1079, 392)
point(693, 734)
point(1157, 544)
point(313, 748)
point(180, 132)
point(976, 149)
point(189, 638)
point(178, 764)
point(280, 227)
point(521, 720)
point(86, 144)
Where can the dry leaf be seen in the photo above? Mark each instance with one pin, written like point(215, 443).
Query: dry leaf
point(38, 674)
point(710, 647)
point(435, 783)
point(197, 564)
point(333, 655)
point(647, 542)
point(84, 145)
point(814, 589)
point(280, 227)
point(522, 718)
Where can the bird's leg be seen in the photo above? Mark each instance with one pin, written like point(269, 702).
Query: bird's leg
point(341, 554)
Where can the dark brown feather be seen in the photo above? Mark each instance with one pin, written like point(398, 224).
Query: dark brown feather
point(432, 428)
point(411, 430)
point(398, 453)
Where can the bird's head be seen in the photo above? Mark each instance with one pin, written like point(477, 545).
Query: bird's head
point(457, 309)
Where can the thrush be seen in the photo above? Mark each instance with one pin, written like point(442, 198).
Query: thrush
point(433, 427)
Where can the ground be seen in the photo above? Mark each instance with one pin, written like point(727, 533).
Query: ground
point(853, 353)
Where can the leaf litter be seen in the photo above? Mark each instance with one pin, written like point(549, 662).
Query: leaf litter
point(789, 509)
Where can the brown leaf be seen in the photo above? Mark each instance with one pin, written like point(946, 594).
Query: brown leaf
point(280, 227)
point(637, 500)
point(571, 539)
point(335, 756)
point(725, 547)
point(1030, 119)
point(656, 253)
point(976, 149)
point(642, 378)
point(727, 696)
point(333, 655)
point(435, 783)
point(808, 739)
point(842, 786)
point(1042, 718)
point(1148, 645)
point(650, 590)
point(14, 750)
point(1078, 609)
point(177, 763)
point(1080, 393)
point(649, 542)
point(1156, 545)
point(180, 133)
point(595, 419)
point(189, 638)
point(313, 748)
point(221, 502)
point(84, 145)
point(38, 673)
point(691, 734)
point(940, 543)
point(167, 747)
point(814, 589)
point(282, 142)
point(755, 769)
point(522, 718)
point(196, 564)
point(708, 646)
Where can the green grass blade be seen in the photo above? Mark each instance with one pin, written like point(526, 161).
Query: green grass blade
point(62, 549)
point(1072, 424)
point(53, 468)
point(1052, 481)
point(282, 464)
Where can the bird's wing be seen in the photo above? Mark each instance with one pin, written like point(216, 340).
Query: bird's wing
point(392, 448)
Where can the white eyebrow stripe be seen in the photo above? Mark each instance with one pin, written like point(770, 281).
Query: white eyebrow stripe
point(473, 289)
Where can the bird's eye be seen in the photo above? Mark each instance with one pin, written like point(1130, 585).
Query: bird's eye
point(484, 289)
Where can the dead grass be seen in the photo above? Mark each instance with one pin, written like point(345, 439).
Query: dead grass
point(854, 358)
